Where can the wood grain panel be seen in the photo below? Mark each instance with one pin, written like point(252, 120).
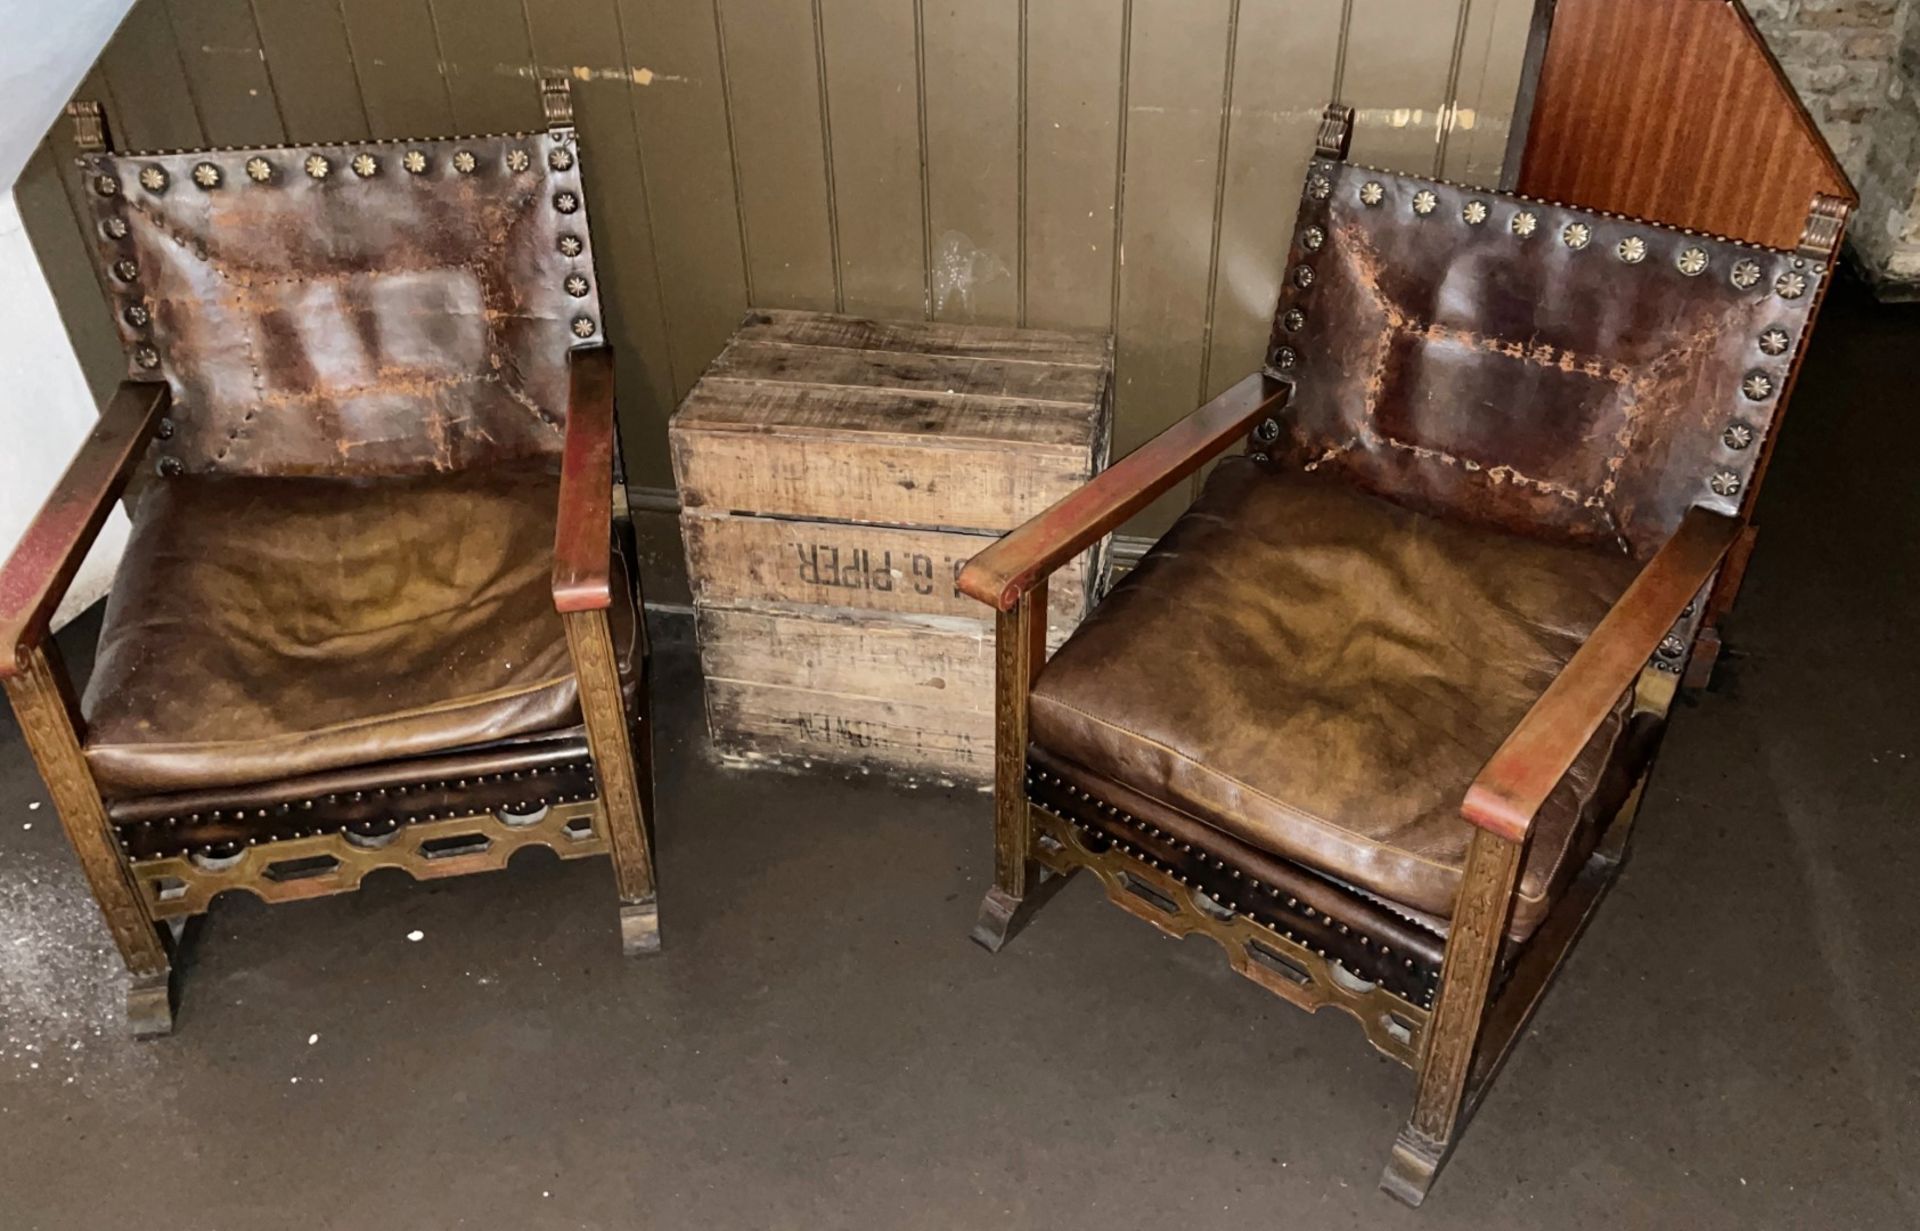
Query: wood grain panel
point(1073, 130)
point(486, 54)
point(152, 106)
point(874, 109)
point(1274, 117)
point(1397, 78)
point(973, 99)
point(1667, 111)
point(396, 56)
point(1177, 77)
point(588, 35)
point(851, 654)
point(306, 48)
point(1485, 83)
point(227, 72)
point(773, 87)
point(680, 109)
point(761, 721)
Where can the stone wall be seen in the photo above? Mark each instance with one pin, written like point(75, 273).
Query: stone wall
point(1857, 65)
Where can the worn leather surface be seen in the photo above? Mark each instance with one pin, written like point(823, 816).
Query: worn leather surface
point(394, 322)
point(262, 628)
point(1321, 673)
point(1471, 371)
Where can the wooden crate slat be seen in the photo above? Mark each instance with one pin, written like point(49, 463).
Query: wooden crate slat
point(849, 655)
point(797, 328)
point(946, 420)
point(765, 720)
point(936, 375)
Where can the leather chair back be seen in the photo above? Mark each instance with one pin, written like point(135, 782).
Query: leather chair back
point(1557, 372)
point(374, 308)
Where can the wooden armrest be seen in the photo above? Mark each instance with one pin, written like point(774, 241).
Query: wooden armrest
point(583, 529)
point(36, 576)
point(1003, 572)
point(1514, 784)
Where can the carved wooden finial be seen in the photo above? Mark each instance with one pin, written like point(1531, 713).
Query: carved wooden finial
point(1826, 218)
point(1336, 132)
point(89, 126)
point(556, 97)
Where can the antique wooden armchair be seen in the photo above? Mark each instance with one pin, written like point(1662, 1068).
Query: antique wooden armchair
point(1375, 714)
point(376, 610)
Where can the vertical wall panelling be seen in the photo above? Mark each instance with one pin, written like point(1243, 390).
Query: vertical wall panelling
point(487, 58)
point(1398, 69)
point(1177, 74)
point(151, 107)
point(773, 87)
point(873, 102)
point(228, 73)
point(314, 77)
point(1488, 77)
point(973, 158)
point(1073, 65)
point(1273, 118)
point(584, 39)
point(680, 112)
point(396, 58)
point(66, 260)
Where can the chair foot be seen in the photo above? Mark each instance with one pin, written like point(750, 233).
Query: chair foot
point(1002, 915)
point(150, 1004)
point(639, 928)
point(1411, 1168)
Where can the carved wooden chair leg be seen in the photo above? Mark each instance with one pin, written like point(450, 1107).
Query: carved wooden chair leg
point(626, 781)
point(1466, 979)
point(44, 704)
point(1020, 648)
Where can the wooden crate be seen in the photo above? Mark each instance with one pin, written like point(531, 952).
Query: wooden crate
point(835, 475)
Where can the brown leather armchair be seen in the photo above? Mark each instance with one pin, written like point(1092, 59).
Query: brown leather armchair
point(376, 610)
point(1375, 713)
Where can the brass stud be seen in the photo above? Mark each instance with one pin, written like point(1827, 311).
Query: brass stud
point(365, 165)
point(1525, 223)
point(317, 166)
point(1671, 647)
point(1293, 319)
point(583, 326)
point(1284, 358)
point(125, 270)
point(464, 162)
point(1774, 341)
point(146, 357)
point(1632, 250)
point(171, 467)
point(518, 160)
point(1319, 187)
point(1725, 483)
point(1745, 274)
point(206, 175)
point(259, 170)
point(1737, 436)
point(566, 202)
point(114, 228)
point(1303, 276)
point(1691, 261)
point(1577, 235)
point(137, 315)
point(1473, 213)
point(1372, 193)
point(1425, 202)
point(153, 178)
point(413, 162)
point(1266, 433)
point(1790, 285)
point(1758, 386)
point(106, 185)
point(576, 285)
point(561, 158)
point(1312, 238)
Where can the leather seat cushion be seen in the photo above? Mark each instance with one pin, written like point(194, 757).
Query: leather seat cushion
point(1321, 674)
point(262, 628)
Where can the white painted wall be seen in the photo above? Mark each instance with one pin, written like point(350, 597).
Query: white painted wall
point(45, 411)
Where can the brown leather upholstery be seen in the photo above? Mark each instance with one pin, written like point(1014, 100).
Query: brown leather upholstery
point(262, 628)
point(1320, 673)
point(1544, 369)
point(379, 307)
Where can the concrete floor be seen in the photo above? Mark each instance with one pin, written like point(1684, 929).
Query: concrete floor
point(819, 1045)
